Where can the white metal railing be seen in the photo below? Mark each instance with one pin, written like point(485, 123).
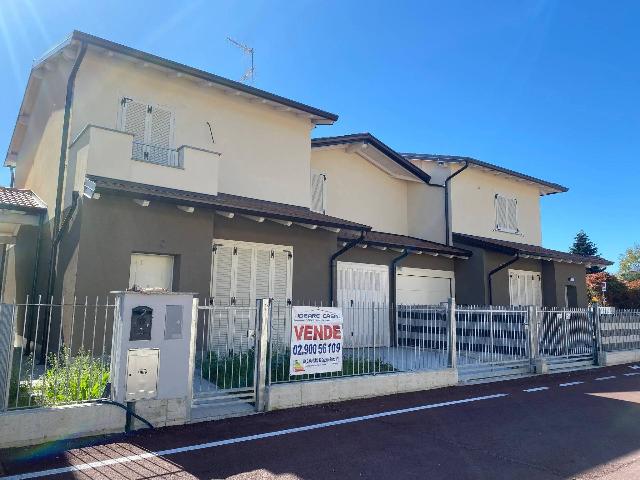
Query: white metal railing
point(60, 353)
point(156, 154)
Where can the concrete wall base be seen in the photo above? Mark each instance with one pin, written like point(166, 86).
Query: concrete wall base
point(39, 425)
point(297, 394)
point(606, 359)
point(539, 366)
point(161, 413)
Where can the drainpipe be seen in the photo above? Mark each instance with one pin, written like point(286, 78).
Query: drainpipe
point(34, 280)
point(52, 271)
point(53, 260)
point(496, 270)
point(392, 275)
point(333, 258)
point(446, 201)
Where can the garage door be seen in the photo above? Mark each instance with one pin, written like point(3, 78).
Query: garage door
point(417, 286)
point(363, 294)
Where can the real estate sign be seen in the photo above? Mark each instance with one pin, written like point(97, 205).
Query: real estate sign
point(316, 340)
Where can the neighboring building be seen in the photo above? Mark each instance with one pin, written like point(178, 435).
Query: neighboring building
point(495, 213)
point(176, 178)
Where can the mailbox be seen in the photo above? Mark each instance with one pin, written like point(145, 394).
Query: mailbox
point(141, 322)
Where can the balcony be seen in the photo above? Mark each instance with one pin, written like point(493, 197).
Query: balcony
point(114, 154)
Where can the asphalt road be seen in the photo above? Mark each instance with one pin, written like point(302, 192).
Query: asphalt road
point(583, 425)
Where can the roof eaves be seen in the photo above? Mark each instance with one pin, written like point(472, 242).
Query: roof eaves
point(148, 57)
point(459, 159)
point(368, 138)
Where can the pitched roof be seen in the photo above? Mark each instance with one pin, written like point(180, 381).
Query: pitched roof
point(17, 199)
point(369, 139)
point(554, 187)
point(210, 77)
point(404, 241)
point(527, 251)
point(225, 203)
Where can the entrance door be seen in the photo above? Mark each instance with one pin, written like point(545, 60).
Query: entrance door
point(417, 286)
point(363, 294)
point(571, 296)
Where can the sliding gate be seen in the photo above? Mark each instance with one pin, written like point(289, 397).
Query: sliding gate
point(567, 338)
point(492, 342)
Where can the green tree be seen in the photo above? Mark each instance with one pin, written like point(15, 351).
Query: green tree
point(629, 265)
point(582, 245)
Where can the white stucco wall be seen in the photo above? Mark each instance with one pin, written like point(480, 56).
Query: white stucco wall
point(265, 152)
point(359, 191)
point(473, 209)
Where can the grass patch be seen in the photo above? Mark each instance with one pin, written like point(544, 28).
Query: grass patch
point(67, 379)
point(237, 370)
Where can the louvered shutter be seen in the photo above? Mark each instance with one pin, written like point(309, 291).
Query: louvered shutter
point(281, 273)
point(501, 212)
point(317, 192)
point(134, 121)
point(244, 287)
point(263, 273)
point(160, 137)
point(512, 214)
point(222, 274)
point(513, 288)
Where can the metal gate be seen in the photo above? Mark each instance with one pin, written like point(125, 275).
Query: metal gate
point(566, 338)
point(492, 342)
point(226, 361)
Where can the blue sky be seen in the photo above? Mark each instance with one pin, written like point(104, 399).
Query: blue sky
point(548, 88)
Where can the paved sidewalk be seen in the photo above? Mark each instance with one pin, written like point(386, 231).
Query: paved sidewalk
point(581, 425)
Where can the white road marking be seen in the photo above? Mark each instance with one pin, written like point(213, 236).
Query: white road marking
point(536, 389)
point(605, 378)
point(569, 384)
point(631, 374)
point(248, 438)
point(635, 367)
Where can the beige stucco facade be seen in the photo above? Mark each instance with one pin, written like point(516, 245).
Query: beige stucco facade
point(473, 208)
point(358, 190)
point(264, 151)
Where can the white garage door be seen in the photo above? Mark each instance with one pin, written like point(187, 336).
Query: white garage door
point(363, 294)
point(417, 286)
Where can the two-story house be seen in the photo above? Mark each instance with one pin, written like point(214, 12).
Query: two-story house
point(151, 173)
point(495, 213)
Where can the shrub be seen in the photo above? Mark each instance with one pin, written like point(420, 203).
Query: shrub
point(237, 370)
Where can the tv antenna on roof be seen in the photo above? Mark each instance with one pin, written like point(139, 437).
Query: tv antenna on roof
point(249, 74)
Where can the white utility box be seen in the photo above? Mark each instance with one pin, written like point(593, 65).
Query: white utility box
point(151, 351)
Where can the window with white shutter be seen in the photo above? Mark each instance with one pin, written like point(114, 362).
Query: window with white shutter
point(152, 129)
point(525, 288)
point(506, 214)
point(243, 272)
point(318, 192)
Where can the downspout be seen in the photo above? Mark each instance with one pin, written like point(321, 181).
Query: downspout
point(496, 270)
point(53, 260)
point(392, 295)
point(52, 273)
point(333, 258)
point(34, 279)
point(447, 222)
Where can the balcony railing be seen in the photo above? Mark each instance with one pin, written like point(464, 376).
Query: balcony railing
point(155, 154)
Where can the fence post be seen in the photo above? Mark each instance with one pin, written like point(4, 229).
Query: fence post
point(597, 334)
point(451, 323)
point(263, 322)
point(532, 314)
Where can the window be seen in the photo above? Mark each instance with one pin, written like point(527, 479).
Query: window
point(318, 192)
point(525, 288)
point(506, 214)
point(152, 129)
point(151, 271)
